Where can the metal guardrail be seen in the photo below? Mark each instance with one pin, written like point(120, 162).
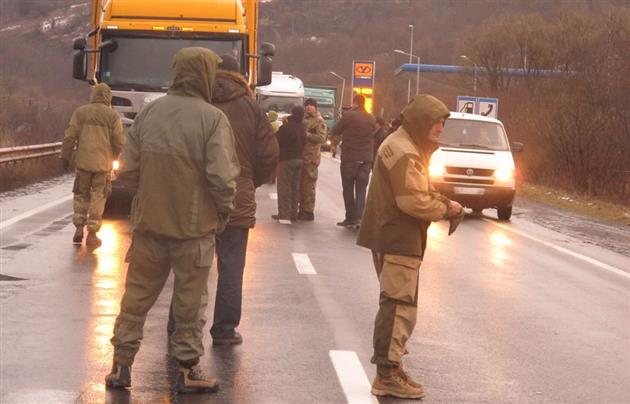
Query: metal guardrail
point(19, 153)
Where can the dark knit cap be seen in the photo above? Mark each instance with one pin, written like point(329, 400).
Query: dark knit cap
point(297, 113)
point(310, 101)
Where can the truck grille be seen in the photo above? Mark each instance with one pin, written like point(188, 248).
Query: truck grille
point(477, 172)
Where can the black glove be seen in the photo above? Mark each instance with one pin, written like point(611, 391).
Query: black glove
point(65, 164)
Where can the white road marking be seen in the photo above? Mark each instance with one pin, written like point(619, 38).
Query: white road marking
point(284, 221)
point(590, 260)
point(34, 211)
point(352, 377)
point(273, 195)
point(303, 264)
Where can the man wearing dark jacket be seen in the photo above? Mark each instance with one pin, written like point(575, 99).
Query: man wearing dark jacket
point(291, 137)
point(356, 130)
point(257, 151)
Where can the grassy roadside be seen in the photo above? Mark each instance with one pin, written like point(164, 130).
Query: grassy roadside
point(574, 202)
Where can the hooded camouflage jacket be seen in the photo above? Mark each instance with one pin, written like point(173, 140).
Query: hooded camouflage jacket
point(315, 127)
point(256, 145)
point(180, 158)
point(96, 131)
point(401, 201)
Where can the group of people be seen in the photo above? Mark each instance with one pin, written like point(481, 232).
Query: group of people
point(193, 159)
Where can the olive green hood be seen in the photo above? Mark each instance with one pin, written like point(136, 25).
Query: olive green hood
point(194, 70)
point(101, 94)
point(421, 114)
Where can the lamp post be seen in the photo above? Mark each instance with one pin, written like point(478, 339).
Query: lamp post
point(343, 86)
point(417, 67)
point(410, 53)
point(474, 72)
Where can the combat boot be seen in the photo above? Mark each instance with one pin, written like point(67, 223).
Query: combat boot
point(401, 372)
point(78, 235)
point(92, 240)
point(388, 382)
point(119, 378)
point(192, 380)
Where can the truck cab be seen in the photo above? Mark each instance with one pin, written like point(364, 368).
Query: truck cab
point(283, 93)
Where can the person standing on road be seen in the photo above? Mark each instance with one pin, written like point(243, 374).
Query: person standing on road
point(257, 150)
point(291, 141)
point(181, 165)
point(400, 206)
point(315, 128)
point(96, 131)
point(355, 129)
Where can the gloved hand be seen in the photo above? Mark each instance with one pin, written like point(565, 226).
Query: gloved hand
point(65, 164)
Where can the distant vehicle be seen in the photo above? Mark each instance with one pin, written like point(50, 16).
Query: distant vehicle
point(474, 164)
point(284, 92)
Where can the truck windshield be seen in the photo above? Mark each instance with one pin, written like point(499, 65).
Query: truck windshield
point(473, 134)
point(144, 64)
point(279, 103)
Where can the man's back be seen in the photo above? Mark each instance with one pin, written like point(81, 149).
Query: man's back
point(356, 129)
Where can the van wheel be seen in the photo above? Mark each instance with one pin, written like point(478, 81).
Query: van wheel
point(504, 213)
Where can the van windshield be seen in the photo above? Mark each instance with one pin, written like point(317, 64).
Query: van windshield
point(474, 135)
point(279, 103)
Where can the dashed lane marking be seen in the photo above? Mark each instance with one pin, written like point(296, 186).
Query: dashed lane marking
point(34, 211)
point(352, 377)
point(303, 264)
point(590, 260)
point(273, 195)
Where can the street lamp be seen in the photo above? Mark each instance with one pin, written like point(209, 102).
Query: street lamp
point(474, 72)
point(343, 86)
point(417, 68)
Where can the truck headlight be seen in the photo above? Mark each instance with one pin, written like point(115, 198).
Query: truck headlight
point(115, 165)
point(435, 170)
point(504, 174)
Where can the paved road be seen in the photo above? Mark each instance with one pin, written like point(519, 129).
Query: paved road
point(510, 312)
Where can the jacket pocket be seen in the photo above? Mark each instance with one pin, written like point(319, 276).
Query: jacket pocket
point(399, 277)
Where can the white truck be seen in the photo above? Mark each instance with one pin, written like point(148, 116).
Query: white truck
point(284, 92)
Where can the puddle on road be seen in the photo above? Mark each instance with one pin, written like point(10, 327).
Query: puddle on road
point(16, 247)
point(11, 278)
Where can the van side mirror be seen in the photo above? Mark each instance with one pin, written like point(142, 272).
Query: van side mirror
point(79, 65)
point(517, 147)
point(264, 71)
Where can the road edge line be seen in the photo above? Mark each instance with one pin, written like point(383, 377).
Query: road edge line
point(34, 211)
point(574, 254)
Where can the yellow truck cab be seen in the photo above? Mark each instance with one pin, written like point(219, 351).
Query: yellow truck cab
point(132, 44)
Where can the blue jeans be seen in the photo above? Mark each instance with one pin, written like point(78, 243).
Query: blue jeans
point(354, 180)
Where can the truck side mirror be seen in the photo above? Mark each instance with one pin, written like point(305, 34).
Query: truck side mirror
point(79, 44)
point(517, 147)
point(264, 71)
point(267, 49)
point(79, 65)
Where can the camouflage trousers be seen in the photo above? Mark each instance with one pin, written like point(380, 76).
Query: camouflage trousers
point(288, 188)
point(90, 194)
point(150, 261)
point(398, 306)
point(307, 187)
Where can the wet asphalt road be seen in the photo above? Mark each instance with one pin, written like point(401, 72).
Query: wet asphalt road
point(509, 312)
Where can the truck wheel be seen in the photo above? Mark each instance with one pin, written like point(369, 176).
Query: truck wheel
point(504, 213)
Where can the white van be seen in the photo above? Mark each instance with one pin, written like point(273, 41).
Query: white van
point(474, 164)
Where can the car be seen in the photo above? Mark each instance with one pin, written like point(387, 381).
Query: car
point(474, 164)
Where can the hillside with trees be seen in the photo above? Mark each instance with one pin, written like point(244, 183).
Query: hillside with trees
point(575, 125)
